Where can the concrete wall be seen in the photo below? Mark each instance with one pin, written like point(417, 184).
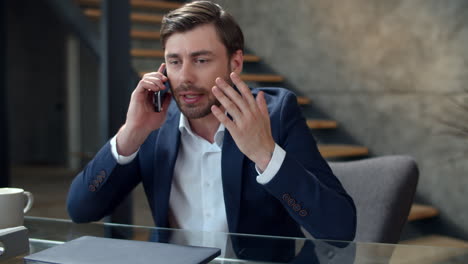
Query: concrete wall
point(386, 71)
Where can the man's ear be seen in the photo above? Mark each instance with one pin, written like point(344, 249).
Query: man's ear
point(237, 61)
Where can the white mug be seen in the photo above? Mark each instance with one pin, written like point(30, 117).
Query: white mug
point(14, 203)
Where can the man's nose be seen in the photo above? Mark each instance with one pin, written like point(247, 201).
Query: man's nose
point(187, 73)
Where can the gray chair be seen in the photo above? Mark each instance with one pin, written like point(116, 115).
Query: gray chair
point(383, 189)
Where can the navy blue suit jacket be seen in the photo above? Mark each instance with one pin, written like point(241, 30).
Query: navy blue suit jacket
point(304, 192)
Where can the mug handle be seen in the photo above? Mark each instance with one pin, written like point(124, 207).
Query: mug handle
point(30, 201)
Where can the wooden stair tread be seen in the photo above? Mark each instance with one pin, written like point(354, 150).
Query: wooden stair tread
point(155, 5)
point(419, 212)
point(247, 77)
point(341, 151)
point(152, 53)
point(138, 34)
point(433, 249)
point(321, 124)
point(303, 100)
point(436, 240)
point(251, 58)
point(134, 17)
point(147, 53)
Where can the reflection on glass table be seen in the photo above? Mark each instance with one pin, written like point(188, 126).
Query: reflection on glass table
point(242, 248)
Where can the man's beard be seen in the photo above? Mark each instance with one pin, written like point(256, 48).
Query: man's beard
point(196, 111)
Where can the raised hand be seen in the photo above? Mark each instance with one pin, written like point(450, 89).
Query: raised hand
point(141, 117)
point(250, 124)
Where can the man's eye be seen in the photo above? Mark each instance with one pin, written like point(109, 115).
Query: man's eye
point(202, 60)
point(174, 62)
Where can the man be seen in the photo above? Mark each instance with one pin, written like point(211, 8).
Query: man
point(224, 157)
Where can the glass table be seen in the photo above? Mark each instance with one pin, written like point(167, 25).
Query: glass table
point(242, 248)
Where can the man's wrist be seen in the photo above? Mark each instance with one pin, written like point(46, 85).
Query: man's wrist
point(273, 167)
point(264, 158)
point(122, 160)
point(128, 141)
point(263, 162)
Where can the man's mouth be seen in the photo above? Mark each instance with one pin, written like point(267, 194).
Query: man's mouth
point(191, 98)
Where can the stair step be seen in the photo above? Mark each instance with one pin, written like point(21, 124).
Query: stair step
point(148, 35)
point(442, 249)
point(436, 240)
point(419, 212)
point(342, 151)
point(262, 78)
point(134, 17)
point(148, 53)
point(145, 4)
point(303, 100)
point(151, 53)
point(321, 124)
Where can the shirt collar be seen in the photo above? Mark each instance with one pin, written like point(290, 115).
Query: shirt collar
point(184, 128)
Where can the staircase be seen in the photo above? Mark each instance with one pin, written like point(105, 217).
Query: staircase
point(147, 55)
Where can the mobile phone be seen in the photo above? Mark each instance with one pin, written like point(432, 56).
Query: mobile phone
point(157, 101)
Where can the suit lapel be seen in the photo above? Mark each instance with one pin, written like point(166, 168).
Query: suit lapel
point(231, 169)
point(166, 150)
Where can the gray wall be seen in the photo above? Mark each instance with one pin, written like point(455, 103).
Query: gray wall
point(386, 71)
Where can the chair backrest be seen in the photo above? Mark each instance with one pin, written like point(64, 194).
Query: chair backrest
point(383, 189)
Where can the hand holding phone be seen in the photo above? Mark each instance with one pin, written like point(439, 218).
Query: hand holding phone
point(142, 117)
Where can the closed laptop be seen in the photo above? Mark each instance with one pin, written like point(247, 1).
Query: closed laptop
point(89, 249)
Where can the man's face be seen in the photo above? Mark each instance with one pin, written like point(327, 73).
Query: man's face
point(194, 59)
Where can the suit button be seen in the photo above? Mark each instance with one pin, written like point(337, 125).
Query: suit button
point(103, 173)
point(96, 183)
point(296, 207)
point(286, 197)
point(100, 178)
point(291, 202)
point(92, 188)
point(303, 213)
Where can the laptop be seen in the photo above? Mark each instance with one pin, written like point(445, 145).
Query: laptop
point(90, 249)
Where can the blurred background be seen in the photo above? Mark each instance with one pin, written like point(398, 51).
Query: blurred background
point(373, 78)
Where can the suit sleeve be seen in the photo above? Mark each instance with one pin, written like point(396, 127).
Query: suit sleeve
point(305, 184)
point(101, 186)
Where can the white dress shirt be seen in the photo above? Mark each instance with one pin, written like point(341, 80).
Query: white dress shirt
point(196, 198)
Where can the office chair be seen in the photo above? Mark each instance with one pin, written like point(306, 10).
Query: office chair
point(383, 189)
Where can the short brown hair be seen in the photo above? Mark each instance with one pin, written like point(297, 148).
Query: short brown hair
point(199, 13)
